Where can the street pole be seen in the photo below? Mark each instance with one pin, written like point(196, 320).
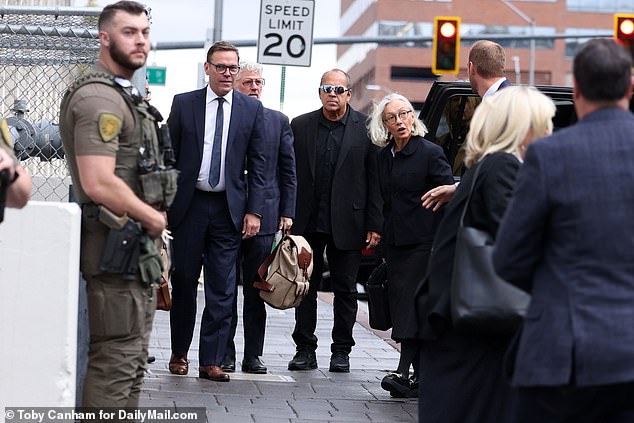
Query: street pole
point(217, 20)
point(531, 22)
point(518, 75)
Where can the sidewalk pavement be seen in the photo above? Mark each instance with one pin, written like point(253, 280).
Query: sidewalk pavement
point(282, 395)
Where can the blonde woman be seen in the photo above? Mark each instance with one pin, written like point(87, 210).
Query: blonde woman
point(408, 166)
point(462, 372)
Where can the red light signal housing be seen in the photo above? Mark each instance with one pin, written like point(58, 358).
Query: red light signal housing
point(446, 46)
point(624, 31)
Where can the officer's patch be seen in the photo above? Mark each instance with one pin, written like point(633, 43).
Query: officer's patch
point(109, 126)
point(5, 134)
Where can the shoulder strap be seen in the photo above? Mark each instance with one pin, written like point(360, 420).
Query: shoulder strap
point(475, 178)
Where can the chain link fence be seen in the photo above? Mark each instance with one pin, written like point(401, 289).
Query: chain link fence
point(42, 51)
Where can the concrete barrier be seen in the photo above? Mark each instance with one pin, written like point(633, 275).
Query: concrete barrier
point(39, 280)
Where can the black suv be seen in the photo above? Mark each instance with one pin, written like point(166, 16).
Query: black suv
point(446, 113)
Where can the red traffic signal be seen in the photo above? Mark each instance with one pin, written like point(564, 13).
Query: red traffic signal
point(624, 31)
point(446, 47)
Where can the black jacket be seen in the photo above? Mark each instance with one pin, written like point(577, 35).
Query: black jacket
point(420, 166)
point(355, 197)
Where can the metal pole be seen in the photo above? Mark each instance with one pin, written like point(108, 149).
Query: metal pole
point(518, 75)
point(531, 63)
point(217, 20)
point(282, 88)
point(531, 22)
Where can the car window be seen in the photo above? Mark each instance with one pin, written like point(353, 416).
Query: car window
point(453, 127)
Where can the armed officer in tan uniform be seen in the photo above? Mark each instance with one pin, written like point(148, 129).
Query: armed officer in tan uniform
point(116, 161)
point(15, 183)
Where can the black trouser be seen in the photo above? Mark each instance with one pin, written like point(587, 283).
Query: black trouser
point(253, 251)
point(343, 265)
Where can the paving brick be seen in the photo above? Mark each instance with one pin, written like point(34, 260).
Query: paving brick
point(283, 396)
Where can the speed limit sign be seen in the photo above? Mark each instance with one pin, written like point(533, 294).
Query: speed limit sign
point(286, 32)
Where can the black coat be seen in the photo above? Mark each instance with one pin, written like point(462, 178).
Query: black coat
point(450, 358)
point(420, 166)
point(489, 200)
point(409, 228)
point(355, 198)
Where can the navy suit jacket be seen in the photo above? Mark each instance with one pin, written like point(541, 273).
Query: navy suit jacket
point(245, 152)
point(279, 197)
point(567, 238)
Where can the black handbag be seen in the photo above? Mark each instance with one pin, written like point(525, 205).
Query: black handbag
point(378, 300)
point(482, 302)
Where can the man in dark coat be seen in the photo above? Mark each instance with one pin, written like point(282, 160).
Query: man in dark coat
point(338, 209)
point(278, 213)
point(567, 239)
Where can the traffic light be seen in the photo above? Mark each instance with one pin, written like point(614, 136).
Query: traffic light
point(624, 31)
point(446, 51)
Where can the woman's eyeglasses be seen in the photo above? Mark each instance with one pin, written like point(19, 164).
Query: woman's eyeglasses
point(391, 119)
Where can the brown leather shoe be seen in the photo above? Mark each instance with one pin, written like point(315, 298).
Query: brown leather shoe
point(179, 365)
point(214, 373)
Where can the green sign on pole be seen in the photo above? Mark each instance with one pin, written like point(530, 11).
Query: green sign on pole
point(156, 75)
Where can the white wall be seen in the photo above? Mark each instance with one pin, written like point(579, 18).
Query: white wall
point(39, 279)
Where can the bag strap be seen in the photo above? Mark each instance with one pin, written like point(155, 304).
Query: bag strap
point(261, 282)
point(466, 206)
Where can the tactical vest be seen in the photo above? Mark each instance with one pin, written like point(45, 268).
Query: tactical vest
point(146, 162)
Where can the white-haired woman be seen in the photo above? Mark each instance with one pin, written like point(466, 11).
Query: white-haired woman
point(408, 166)
point(462, 370)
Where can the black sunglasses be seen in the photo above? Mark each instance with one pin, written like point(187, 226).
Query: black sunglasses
point(338, 89)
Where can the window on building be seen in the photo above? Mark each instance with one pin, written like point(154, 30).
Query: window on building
point(412, 73)
point(477, 29)
point(573, 44)
point(600, 6)
point(426, 29)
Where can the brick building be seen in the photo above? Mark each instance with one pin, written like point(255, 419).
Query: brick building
point(406, 68)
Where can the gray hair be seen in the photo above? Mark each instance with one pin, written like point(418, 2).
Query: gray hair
point(376, 127)
point(246, 66)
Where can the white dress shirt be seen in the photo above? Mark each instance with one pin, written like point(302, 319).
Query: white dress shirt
point(211, 108)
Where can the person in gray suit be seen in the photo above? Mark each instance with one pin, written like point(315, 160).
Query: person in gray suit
point(567, 238)
point(277, 214)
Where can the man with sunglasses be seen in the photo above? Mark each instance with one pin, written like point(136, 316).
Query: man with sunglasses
point(278, 213)
point(218, 135)
point(338, 209)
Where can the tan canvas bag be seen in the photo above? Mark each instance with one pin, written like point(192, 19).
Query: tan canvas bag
point(285, 273)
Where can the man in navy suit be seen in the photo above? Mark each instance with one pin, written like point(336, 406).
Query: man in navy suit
point(218, 139)
point(567, 238)
point(278, 213)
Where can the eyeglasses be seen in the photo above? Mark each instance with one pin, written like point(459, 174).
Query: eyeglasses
point(391, 119)
point(233, 69)
point(258, 82)
point(338, 89)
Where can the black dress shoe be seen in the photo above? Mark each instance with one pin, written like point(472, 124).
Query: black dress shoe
point(253, 365)
point(228, 365)
point(151, 359)
point(339, 362)
point(400, 387)
point(303, 360)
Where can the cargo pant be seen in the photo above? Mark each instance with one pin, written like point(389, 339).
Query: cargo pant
point(120, 314)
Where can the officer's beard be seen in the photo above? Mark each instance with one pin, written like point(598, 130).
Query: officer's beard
point(122, 59)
